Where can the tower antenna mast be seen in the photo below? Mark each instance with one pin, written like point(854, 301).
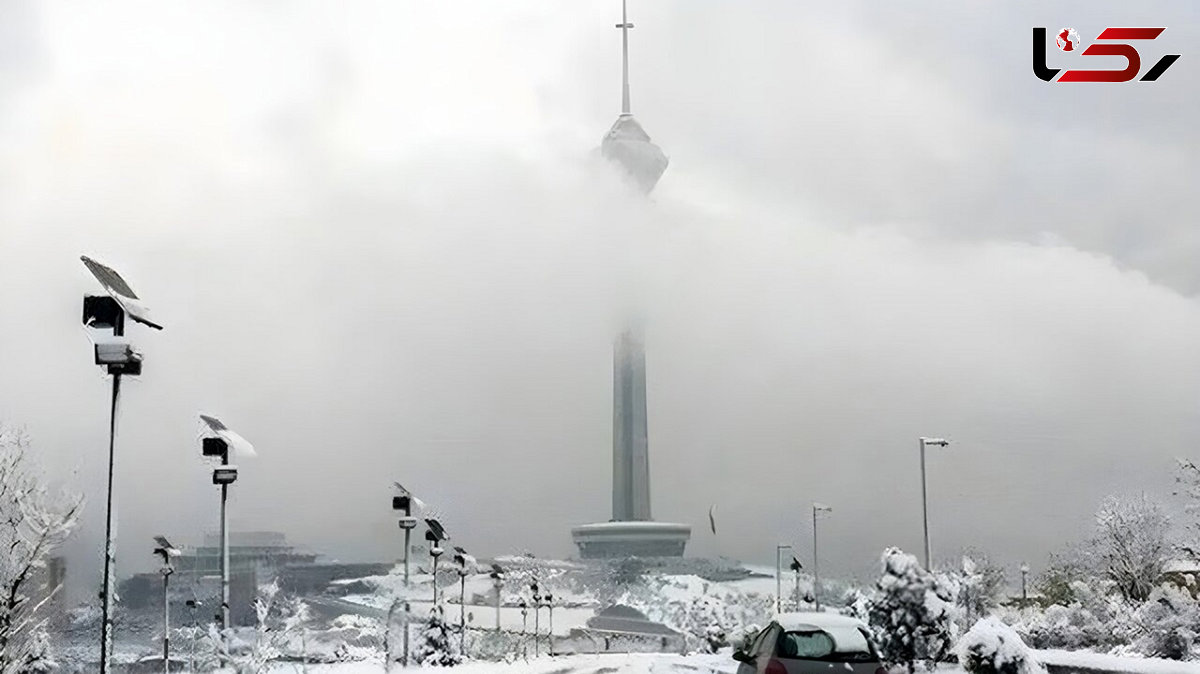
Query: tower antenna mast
point(624, 26)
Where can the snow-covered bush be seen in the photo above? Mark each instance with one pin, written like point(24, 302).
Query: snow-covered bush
point(32, 524)
point(279, 622)
point(991, 647)
point(1170, 619)
point(1093, 621)
point(1133, 545)
point(436, 648)
point(911, 613)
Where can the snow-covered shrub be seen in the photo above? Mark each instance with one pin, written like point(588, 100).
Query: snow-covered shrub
point(32, 524)
point(1170, 619)
point(856, 604)
point(1132, 544)
point(991, 647)
point(980, 586)
point(435, 647)
point(278, 621)
point(911, 613)
point(1068, 627)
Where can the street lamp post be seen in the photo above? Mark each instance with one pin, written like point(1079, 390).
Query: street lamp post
point(1024, 587)
point(402, 503)
point(225, 442)
point(104, 315)
point(779, 575)
point(524, 628)
point(166, 551)
point(192, 604)
point(796, 566)
point(550, 633)
point(936, 442)
point(462, 559)
point(497, 576)
point(435, 534)
point(817, 508)
point(536, 616)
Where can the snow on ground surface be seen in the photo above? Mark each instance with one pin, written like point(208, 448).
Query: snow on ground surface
point(633, 663)
point(1115, 663)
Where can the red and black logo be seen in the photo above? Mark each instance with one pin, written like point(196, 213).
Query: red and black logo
point(1106, 44)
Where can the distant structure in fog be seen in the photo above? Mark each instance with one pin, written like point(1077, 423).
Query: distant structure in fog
point(631, 531)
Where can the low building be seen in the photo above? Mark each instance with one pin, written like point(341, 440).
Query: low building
point(614, 540)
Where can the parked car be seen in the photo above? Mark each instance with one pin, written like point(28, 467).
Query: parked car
point(810, 643)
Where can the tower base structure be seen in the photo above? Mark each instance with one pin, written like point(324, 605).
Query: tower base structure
point(614, 540)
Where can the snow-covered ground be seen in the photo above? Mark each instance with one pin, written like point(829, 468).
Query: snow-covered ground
point(576, 664)
point(1114, 663)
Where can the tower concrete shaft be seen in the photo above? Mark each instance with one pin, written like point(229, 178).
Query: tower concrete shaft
point(631, 458)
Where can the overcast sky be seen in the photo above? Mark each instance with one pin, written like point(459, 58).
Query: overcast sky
point(383, 248)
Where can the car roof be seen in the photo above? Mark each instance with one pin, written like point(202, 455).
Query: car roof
point(817, 621)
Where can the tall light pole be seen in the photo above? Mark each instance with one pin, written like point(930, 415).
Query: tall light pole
point(223, 443)
point(779, 575)
point(104, 315)
point(166, 551)
point(1024, 587)
point(817, 508)
point(936, 442)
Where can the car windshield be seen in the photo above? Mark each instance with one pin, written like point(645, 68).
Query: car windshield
point(845, 644)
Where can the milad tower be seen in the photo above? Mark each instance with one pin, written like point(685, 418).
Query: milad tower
point(631, 531)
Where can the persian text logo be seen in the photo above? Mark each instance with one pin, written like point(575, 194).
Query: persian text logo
point(1106, 44)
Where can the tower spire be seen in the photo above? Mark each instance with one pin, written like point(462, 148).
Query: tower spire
point(624, 26)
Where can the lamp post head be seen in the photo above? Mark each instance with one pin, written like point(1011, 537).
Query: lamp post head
point(936, 442)
point(821, 508)
point(1024, 568)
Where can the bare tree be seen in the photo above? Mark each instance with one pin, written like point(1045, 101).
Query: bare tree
point(1131, 545)
point(32, 524)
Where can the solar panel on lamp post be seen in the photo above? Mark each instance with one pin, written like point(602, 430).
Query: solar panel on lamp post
point(936, 442)
point(167, 552)
point(104, 316)
point(224, 442)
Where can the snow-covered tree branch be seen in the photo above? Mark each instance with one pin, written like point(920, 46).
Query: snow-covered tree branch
point(32, 524)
